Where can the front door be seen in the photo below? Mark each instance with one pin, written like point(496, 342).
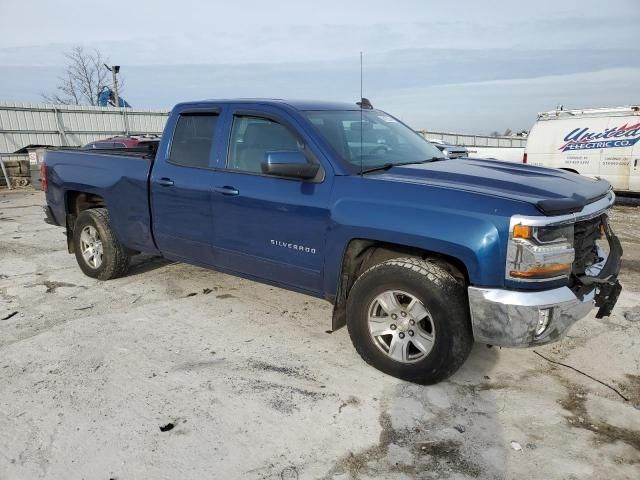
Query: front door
point(268, 227)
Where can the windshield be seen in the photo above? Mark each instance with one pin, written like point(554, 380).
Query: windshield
point(377, 140)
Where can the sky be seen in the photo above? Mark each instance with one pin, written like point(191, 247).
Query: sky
point(463, 66)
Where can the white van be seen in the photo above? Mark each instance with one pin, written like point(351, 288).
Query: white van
point(597, 142)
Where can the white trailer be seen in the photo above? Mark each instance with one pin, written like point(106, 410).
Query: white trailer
point(596, 142)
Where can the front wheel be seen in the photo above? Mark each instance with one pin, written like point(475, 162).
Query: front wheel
point(98, 252)
point(409, 318)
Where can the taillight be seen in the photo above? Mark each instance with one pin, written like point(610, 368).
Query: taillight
point(43, 171)
point(524, 158)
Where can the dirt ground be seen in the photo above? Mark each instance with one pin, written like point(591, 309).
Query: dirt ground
point(179, 372)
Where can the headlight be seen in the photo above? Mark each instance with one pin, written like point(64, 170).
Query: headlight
point(538, 253)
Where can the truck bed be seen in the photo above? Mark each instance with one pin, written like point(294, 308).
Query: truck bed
point(120, 178)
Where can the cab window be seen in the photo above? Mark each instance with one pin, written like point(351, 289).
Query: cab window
point(251, 139)
point(192, 139)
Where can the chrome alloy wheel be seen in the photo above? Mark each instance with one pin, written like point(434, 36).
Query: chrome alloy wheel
point(401, 326)
point(91, 246)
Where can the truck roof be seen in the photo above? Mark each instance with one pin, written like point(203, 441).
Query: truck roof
point(590, 112)
point(297, 104)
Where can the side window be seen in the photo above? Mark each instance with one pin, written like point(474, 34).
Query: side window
point(253, 137)
point(192, 139)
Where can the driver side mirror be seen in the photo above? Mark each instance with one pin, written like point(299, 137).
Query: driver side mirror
point(289, 164)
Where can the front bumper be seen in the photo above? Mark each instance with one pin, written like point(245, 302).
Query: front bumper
point(509, 318)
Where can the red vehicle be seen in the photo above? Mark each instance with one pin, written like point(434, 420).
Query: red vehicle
point(139, 142)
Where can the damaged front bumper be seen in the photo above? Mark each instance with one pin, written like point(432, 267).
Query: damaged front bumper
point(515, 318)
point(510, 318)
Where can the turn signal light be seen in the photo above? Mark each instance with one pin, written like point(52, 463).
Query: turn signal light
point(545, 271)
point(521, 231)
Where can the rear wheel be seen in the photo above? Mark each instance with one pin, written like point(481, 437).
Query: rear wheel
point(98, 252)
point(409, 318)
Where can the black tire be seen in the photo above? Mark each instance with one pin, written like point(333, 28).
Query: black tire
point(443, 296)
point(115, 259)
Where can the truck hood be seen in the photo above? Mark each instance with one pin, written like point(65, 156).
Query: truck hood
point(552, 191)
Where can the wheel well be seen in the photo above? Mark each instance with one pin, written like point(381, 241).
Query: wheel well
point(79, 201)
point(75, 203)
point(570, 170)
point(361, 254)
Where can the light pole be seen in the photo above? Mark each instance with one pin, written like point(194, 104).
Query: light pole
point(115, 69)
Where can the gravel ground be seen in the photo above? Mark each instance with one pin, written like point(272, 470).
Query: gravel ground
point(179, 372)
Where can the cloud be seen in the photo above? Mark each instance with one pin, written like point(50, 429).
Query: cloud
point(481, 107)
point(286, 42)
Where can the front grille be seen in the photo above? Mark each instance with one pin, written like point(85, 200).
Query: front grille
point(585, 235)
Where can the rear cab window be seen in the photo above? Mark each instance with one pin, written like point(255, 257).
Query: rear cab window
point(192, 139)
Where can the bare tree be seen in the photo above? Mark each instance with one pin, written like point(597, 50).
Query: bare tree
point(84, 78)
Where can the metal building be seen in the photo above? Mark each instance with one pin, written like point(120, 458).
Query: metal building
point(23, 125)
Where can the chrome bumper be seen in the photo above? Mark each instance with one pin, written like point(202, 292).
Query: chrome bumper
point(509, 318)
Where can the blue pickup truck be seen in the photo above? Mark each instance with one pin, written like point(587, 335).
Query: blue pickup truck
point(420, 255)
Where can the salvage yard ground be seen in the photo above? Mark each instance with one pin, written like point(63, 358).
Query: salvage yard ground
point(176, 372)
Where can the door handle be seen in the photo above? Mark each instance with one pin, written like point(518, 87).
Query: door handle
point(226, 190)
point(165, 182)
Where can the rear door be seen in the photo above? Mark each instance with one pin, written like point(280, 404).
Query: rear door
point(634, 178)
point(181, 192)
point(267, 227)
point(617, 155)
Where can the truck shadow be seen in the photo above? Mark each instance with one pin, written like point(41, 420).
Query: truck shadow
point(146, 263)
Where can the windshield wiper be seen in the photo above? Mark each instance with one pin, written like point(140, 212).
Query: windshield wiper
point(387, 166)
point(379, 168)
point(428, 160)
